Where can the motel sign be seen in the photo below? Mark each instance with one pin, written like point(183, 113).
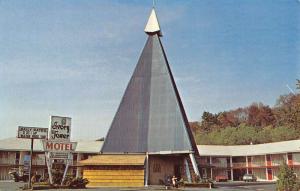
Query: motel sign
point(59, 147)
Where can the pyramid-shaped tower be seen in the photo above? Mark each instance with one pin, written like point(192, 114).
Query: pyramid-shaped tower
point(150, 117)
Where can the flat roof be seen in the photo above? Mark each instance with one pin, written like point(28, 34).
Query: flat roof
point(18, 144)
point(250, 150)
point(94, 147)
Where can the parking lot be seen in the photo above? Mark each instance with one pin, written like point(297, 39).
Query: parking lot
point(234, 186)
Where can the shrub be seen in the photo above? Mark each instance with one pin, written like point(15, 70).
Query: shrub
point(77, 183)
point(286, 178)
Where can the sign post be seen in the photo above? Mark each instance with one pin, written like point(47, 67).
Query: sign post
point(49, 166)
point(26, 165)
point(30, 167)
point(58, 146)
point(32, 133)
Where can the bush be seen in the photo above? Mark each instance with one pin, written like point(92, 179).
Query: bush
point(76, 182)
point(286, 179)
point(57, 175)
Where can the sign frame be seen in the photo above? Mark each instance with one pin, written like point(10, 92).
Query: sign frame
point(60, 128)
point(32, 132)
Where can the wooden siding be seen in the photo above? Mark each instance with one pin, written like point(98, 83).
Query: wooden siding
point(105, 159)
point(114, 178)
point(162, 166)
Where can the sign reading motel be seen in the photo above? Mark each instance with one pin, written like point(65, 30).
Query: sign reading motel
point(59, 147)
point(32, 132)
point(60, 128)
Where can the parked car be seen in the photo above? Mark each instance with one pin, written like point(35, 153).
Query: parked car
point(249, 178)
point(14, 173)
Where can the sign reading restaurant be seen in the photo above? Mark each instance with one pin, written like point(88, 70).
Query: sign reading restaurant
point(32, 132)
point(60, 128)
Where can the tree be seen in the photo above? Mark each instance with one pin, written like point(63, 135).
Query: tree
point(194, 126)
point(298, 84)
point(286, 178)
point(257, 123)
point(209, 121)
point(283, 133)
point(227, 119)
point(260, 115)
point(287, 111)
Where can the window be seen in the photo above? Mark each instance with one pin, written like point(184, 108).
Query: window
point(249, 159)
point(268, 157)
point(17, 157)
point(208, 160)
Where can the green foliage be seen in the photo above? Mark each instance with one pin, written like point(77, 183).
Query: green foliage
point(254, 124)
point(76, 182)
point(286, 179)
point(72, 182)
point(57, 175)
point(287, 110)
point(244, 135)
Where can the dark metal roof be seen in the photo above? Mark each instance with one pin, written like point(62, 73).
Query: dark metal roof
point(150, 117)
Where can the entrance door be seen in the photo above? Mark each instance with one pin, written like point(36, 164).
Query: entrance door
point(270, 177)
point(177, 171)
point(229, 174)
point(204, 172)
point(269, 162)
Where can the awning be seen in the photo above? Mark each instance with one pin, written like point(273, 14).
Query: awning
point(114, 160)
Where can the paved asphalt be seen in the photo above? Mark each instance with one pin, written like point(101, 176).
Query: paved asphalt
point(236, 186)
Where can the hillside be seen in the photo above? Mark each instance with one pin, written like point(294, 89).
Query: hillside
point(257, 123)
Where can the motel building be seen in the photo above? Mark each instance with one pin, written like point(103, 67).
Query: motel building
point(150, 138)
point(262, 160)
point(13, 151)
point(215, 161)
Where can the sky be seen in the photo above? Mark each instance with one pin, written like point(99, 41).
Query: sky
point(75, 58)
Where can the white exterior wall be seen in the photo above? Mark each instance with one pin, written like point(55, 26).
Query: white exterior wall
point(260, 173)
point(258, 161)
point(38, 159)
point(297, 171)
point(220, 162)
point(4, 173)
point(7, 157)
point(275, 172)
point(296, 158)
point(278, 159)
point(7, 160)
